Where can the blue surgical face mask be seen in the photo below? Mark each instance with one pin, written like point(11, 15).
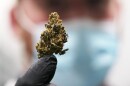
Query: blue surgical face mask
point(92, 51)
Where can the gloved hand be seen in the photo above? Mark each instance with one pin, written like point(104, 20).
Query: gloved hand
point(39, 74)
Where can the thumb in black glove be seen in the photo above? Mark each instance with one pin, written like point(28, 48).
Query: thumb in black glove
point(39, 74)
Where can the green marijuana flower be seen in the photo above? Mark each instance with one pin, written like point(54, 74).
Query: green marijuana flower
point(53, 38)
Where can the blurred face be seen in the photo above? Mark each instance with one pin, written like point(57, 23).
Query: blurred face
point(38, 10)
point(29, 13)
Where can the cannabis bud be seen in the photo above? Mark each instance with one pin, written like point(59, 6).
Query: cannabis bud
point(53, 38)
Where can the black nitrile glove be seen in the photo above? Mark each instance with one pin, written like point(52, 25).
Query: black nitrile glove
point(39, 74)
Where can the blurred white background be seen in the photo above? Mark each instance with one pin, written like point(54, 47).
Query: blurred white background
point(121, 71)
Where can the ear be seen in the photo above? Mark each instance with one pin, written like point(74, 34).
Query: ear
point(115, 10)
point(13, 21)
point(118, 7)
point(12, 17)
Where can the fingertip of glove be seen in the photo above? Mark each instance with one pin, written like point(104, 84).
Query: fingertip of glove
point(47, 58)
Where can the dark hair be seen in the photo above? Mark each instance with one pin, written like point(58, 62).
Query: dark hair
point(52, 5)
point(96, 3)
